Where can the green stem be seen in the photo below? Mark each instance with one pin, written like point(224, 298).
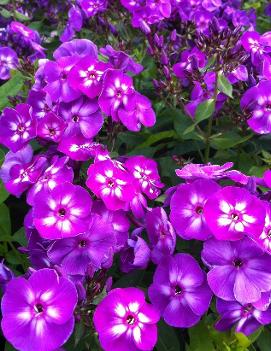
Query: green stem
point(210, 124)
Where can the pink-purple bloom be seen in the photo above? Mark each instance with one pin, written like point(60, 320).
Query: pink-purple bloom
point(125, 321)
point(17, 126)
point(233, 212)
point(187, 209)
point(38, 311)
point(8, 62)
point(63, 212)
point(239, 270)
point(180, 291)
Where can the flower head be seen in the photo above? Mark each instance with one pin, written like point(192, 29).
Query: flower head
point(232, 212)
point(17, 126)
point(38, 312)
point(180, 291)
point(238, 270)
point(187, 209)
point(8, 61)
point(63, 212)
point(125, 321)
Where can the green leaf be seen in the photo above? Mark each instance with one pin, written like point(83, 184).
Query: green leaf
point(167, 338)
point(264, 340)
point(3, 193)
point(228, 140)
point(154, 138)
point(4, 2)
point(5, 225)
point(11, 88)
point(8, 347)
point(200, 338)
point(20, 237)
point(5, 13)
point(19, 16)
point(205, 110)
point(224, 85)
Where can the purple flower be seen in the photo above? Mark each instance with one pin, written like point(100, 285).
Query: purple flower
point(245, 318)
point(256, 102)
point(180, 291)
point(238, 270)
point(92, 7)
point(5, 275)
point(87, 75)
point(145, 172)
point(76, 47)
point(23, 175)
point(38, 312)
point(263, 240)
point(8, 61)
point(41, 103)
point(55, 174)
point(140, 112)
point(119, 221)
point(161, 234)
point(75, 22)
point(257, 45)
point(51, 127)
point(17, 127)
point(114, 185)
point(56, 76)
point(79, 148)
point(187, 209)
point(232, 212)
point(125, 321)
point(202, 20)
point(24, 31)
point(117, 92)
point(120, 60)
point(63, 212)
point(192, 171)
point(83, 117)
point(91, 248)
point(21, 158)
point(135, 255)
point(190, 59)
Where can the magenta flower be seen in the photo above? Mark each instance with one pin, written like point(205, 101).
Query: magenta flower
point(120, 60)
point(145, 172)
point(114, 185)
point(8, 61)
point(119, 221)
point(23, 175)
point(258, 45)
point(256, 102)
point(79, 148)
point(56, 76)
point(140, 112)
point(117, 92)
point(263, 240)
point(63, 212)
point(92, 7)
point(21, 158)
point(233, 212)
point(245, 318)
point(190, 59)
point(187, 209)
point(76, 47)
point(180, 291)
point(57, 173)
point(135, 255)
point(38, 312)
point(125, 321)
point(161, 234)
point(87, 75)
point(238, 270)
point(51, 127)
point(5, 275)
point(17, 127)
point(41, 103)
point(91, 248)
point(83, 117)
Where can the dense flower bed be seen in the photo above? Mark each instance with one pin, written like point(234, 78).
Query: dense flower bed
point(135, 185)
